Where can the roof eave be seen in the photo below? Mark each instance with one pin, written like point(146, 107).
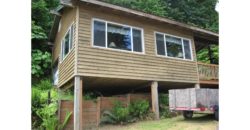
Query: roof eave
point(196, 30)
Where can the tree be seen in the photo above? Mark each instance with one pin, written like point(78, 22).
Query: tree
point(155, 7)
point(199, 13)
point(41, 25)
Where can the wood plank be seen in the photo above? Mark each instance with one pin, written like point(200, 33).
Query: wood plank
point(215, 82)
point(122, 76)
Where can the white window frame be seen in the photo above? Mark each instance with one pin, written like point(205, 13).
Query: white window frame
point(71, 42)
point(106, 36)
point(165, 46)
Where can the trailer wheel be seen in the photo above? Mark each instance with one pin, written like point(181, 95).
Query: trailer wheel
point(216, 112)
point(187, 114)
point(216, 115)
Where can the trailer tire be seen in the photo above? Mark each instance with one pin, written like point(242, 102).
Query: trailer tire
point(216, 112)
point(216, 115)
point(187, 114)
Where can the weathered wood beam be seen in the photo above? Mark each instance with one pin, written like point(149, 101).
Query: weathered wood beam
point(155, 102)
point(78, 103)
point(54, 12)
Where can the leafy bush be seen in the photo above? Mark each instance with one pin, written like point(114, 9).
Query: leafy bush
point(90, 96)
point(47, 114)
point(39, 99)
point(120, 112)
point(44, 84)
point(49, 118)
point(41, 62)
point(67, 95)
point(164, 106)
point(139, 108)
point(36, 103)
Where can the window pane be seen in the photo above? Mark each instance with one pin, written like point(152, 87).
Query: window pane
point(160, 44)
point(174, 47)
point(187, 49)
point(119, 37)
point(66, 44)
point(99, 34)
point(137, 42)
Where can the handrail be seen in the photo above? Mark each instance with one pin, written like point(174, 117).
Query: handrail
point(208, 71)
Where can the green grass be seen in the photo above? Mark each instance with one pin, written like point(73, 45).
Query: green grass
point(199, 122)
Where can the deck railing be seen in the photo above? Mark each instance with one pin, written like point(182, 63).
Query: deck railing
point(208, 71)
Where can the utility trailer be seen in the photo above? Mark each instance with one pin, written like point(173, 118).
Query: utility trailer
point(192, 99)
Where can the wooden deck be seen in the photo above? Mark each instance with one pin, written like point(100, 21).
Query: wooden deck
point(208, 73)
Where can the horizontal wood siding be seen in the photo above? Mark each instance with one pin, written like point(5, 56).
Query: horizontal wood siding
point(68, 16)
point(66, 66)
point(102, 62)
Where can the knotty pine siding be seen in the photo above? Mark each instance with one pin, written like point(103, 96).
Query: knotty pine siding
point(102, 62)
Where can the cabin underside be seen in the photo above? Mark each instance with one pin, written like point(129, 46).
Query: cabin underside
point(115, 86)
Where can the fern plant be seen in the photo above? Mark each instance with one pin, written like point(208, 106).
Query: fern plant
point(49, 118)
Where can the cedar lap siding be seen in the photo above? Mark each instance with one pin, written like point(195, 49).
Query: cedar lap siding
point(86, 60)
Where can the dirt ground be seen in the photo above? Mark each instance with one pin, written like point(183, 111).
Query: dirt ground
point(198, 122)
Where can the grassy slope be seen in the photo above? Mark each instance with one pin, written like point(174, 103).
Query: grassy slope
point(199, 122)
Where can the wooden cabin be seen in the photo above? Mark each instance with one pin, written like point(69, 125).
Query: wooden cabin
point(101, 46)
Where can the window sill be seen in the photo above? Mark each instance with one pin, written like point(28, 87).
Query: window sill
point(174, 58)
point(118, 50)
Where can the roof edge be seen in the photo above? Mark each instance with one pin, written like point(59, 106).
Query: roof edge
point(150, 16)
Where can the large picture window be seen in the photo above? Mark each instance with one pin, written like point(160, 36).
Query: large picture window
point(67, 43)
point(117, 36)
point(172, 46)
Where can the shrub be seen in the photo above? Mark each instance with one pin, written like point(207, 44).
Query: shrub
point(41, 62)
point(49, 117)
point(47, 114)
point(120, 112)
point(44, 84)
point(39, 99)
point(139, 108)
point(67, 95)
point(164, 106)
point(90, 96)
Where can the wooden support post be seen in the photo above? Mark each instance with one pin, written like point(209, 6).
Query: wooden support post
point(155, 103)
point(98, 109)
point(197, 86)
point(78, 103)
